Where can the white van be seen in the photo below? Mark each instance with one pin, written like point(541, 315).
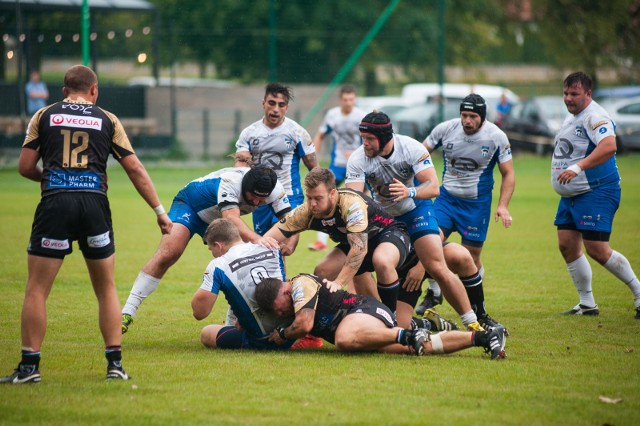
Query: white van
point(419, 93)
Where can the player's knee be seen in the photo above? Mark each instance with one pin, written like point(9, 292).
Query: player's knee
point(208, 337)
point(345, 342)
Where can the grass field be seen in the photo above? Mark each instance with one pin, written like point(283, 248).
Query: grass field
point(556, 370)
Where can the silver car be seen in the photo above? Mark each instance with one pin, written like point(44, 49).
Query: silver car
point(625, 113)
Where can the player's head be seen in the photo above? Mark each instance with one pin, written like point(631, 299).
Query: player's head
point(320, 192)
point(220, 234)
point(275, 104)
point(258, 183)
point(81, 80)
point(274, 296)
point(473, 113)
point(577, 92)
point(376, 131)
point(347, 98)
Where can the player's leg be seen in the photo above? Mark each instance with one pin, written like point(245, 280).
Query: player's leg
point(331, 265)
point(386, 258)
point(493, 341)
point(362, 332)
point(169, 251)
point(570, 245)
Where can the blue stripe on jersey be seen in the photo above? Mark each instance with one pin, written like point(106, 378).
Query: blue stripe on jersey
point(202, 194)
point(605, 174)
point(296, 187)
point(486, 181)
point(281, 262)
point(236, 300)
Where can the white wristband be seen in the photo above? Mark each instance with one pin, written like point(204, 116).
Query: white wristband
point(575, 169)
point(159, 210)
point(412, 192)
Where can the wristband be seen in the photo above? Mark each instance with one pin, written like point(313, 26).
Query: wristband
point(280, 331)
point(159, 210)
point(412, 192)
point(575, 169)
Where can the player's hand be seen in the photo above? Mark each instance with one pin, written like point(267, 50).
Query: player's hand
point(398, 190)
point(269, 242)
point(566, 176)
point(274, 337)
point(414, 278)
point(503, 213)
point(332, 286)
point(165, 224)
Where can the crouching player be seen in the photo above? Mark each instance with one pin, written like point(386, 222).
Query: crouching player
point(358, 322)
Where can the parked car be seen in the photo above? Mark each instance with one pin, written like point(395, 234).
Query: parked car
point(625, 113)
point(533, 123)
point(417, 121)
point(612, 93)
point(390, 105)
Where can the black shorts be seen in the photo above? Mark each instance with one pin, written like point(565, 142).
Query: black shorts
point(64, 217)
point(396, 235)
point(375, 308)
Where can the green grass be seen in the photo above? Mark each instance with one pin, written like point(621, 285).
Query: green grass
point(556, 369)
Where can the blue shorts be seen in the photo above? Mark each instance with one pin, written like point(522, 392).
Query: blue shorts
point(340, 173)
point(181, 212)
point(230, 337)
point(420, 221)
point(591, 211)
point(470, 218)
point(264, 217)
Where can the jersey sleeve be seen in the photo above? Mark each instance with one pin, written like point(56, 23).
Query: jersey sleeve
point(505, 148)
point(419, 157)
point(598, 127)
point(120, 146)
point(296, 221)
point(209, 281)
point(354, 212)
point(229, 191)
point(304, 142)
point(304, 292)
point(279, 200)
point(32, 139)
point(242, 144)
point(355, 167)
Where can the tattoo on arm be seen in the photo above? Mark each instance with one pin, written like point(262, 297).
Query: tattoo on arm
point(358, 243)
point(310, 161)
point(302, 323)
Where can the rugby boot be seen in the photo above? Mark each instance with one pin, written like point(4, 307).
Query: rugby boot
point(116, 372)
point(580, 309)
point(438, 322)
point(25, 373)
point(307, 341)
point(488, 323)
point(127, 320)
point(493, 341)
point(429, 302)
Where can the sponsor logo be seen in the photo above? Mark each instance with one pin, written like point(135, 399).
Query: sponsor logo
point(384, 314)
point(328, 222)
point(255, 142)
point(355, 217)
point(85, 108)
point(186, 217)
point(52, 244)
point(291, 144)
point(349, 301)
point(75, 121)
point(599, 123)
point(98, 241)
point(585, 223)
point(485, 151)
point(602, 130)
point(381, 219)
point(464, 164)
point(578, 130)
point(564, 149)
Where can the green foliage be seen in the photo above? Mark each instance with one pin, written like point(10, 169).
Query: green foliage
point(557, 367)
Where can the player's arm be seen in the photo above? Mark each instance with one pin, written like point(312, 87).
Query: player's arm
point(143, 184)
point(310, 160)
point(357, 186)
point(358, 243)
point(247, 235)
point(428, 188)
point(506, 191)
point(317, 141)
point(602, 152)
point(202, 303)
point(302, 324)
point(242, 159)
point(28, 164)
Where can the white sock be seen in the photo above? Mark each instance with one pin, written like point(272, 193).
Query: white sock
point(580, 272)
point(434, 287)
point(481, 271)
point(144, 285)
point(469, 317)
point(619, 266)
point(323, 238)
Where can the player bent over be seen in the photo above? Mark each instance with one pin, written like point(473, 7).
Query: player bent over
point(237, 269)
point(359, 322)
point(227, 193)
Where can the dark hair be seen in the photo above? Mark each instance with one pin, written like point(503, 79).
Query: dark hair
point(221, 230)
point(475, 103)
point(347, 88)
point(259, 181)
point(275, 89)
point(378, 124)
point(79, 79)
point(579, 77)
point(267, 292)
point(317, 176)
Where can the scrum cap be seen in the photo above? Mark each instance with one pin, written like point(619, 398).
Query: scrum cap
point(379, 124)
point(475, 103)
point(259, 181)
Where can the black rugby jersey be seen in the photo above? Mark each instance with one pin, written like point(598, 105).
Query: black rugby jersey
point(74, 140)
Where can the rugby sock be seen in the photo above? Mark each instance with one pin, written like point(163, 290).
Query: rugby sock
point(323, 238)
point(403, 336)
point(434, 287)
point(475, 292)
point(481, 271)
point(469, 317)
point(389, 294)
point(30, 358)
point(619, 266)
point(580, 272)
point(113, 353)
point(144, 285)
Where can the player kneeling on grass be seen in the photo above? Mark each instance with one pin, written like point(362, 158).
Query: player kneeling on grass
point(358, 322)
point(236, 270)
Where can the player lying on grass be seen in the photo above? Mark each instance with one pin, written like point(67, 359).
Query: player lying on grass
point(358, 322)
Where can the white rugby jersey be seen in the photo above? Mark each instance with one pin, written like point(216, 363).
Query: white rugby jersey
point(344, 131)
point(409, 157)
point(578, 137)
point(279, 149)
point(221, 190)
point(469, 160)
point(237, 273)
